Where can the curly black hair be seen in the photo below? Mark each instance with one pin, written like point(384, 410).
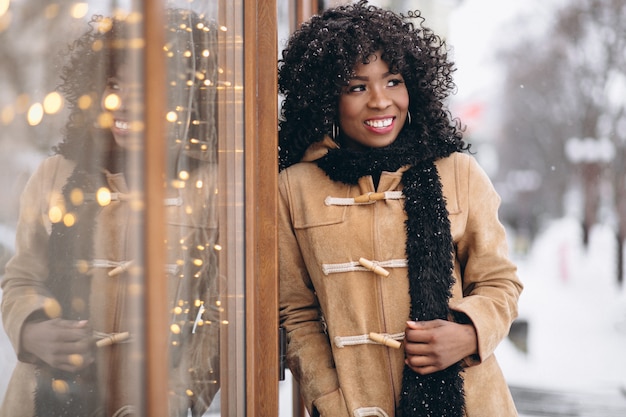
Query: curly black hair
point(320, 59)
point(91, 60)
point(190, 60)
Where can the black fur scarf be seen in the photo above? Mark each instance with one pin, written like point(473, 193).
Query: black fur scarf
point(59, 393)
point(429, 249)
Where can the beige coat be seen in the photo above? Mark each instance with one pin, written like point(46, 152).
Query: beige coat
point(329, 304)
point(115, 300)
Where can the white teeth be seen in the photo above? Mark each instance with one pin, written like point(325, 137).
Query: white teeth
point(379, 123)
point(121, 125)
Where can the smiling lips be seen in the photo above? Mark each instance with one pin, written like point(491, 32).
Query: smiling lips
point(380, 125)
point(122, 125)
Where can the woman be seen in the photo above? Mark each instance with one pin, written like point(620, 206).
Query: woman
point(395, 286)
point(72, 304)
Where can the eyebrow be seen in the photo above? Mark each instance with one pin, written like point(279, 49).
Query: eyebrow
point(364, 78)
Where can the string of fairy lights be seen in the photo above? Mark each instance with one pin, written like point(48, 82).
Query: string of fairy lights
point(198, 254)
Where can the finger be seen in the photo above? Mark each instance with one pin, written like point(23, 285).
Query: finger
point(423, 325)
point(412, 348)
point(423, 364)
point(424, 370)
point(424, 336)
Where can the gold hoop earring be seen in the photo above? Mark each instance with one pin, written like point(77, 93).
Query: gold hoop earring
point(334, 133)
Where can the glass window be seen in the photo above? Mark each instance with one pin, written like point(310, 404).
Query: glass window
point(75, 260)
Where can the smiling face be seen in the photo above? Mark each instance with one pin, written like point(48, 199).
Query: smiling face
point(373, 107)
point(116, 98)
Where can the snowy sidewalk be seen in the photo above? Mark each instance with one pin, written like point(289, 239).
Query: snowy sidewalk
point(533, 402)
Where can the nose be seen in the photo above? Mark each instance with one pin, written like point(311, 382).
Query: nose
point(379, 99)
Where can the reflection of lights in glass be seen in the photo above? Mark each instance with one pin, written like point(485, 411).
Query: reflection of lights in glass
point(51, 308)
point(175, 328)
point(55, 214)
point(197, 262)
point(105, 120)
point(76, 196)
point(97, 45)
point(217, 247)
point(21, 103)
point(103, 196)
point(177, 310)
point(7, 115)
point(171, 116)
point(82, 266)
point(51, 11)
point(69, 219)
point(189, 393)
point(52, 103)
point(223, 28)
point(84, 102)
point(112, 102)
point(199, 184)
point(183, 175)
point(60, 386)
point(134, 17)
point(78, 304)
point(105, 25)
point(79, 10)
point(35, 114)
point(4, 7)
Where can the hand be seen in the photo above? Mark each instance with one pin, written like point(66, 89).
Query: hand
point(432, 346)
point(63, 344)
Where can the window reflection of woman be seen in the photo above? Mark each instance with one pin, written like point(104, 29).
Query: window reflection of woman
point(70, 302)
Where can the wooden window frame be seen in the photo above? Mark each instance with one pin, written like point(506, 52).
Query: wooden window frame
point(261, 159)
point(260, 103)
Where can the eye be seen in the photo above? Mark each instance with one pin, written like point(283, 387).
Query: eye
point(113, 84)
point(356, 88)
point(394, 82)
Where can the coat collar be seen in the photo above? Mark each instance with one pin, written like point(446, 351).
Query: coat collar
point(318, 149)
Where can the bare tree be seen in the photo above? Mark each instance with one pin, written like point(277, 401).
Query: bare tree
point(570, 85)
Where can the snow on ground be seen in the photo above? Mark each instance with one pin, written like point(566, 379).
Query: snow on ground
point(576, 313)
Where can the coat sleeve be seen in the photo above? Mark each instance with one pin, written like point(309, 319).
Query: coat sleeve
point(23, 286)
point(309, 355)
point(491, 288)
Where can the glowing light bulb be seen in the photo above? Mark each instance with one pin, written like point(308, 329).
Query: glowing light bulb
point(55, 214)
point(69, 220)
point(52, 103)
point(35, 114)
point(76, 196)
point(84, 102)
point(103, 196)
point(112, 102)
point(79, 10)
point(171, 116)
